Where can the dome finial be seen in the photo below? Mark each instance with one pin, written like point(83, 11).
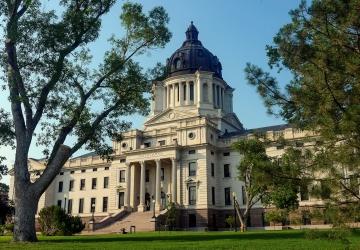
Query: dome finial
point(192, 32)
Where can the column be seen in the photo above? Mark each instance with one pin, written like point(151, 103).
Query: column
point(181, 92)
point(198, 92)
point(157, 186)
point(141, 207)
point(216, 96)
point(187, 93)
point(173, 181)
point(173, 95)
point(222, 98)
point(127, 193)
point(165, 98)
point(169, 96)
point(177, 97)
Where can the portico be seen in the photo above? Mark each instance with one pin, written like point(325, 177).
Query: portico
point(148, 180)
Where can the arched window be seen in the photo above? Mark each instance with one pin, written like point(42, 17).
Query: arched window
point(205, 92)
point(177, 63)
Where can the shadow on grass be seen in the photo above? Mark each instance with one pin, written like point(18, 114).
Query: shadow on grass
point(167, 236)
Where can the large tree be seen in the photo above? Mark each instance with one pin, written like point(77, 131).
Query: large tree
point(265, 179)
point(320, 47)
point(56, 94)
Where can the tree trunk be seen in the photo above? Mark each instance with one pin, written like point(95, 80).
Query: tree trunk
point(25, 210)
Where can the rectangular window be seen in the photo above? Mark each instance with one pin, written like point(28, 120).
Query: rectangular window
point(60, 188)
point(83, 170)
point(227, 170)
point(82, 184)
point(106, 168)
point(105, 204)
point(162, 174)
point(94, 169)
point(191, 91)
point(72, 172)
point(304, 193)
point(192, 168)
point(212, 169)
point(59, 203)
point(226, 154)
point(147, 144)
point(213, 195)
point(69, 207)
point(122, 176)
point(71, 185)
point(81, 205)
point(191, 152)
point(121, 199)
point(106, 182)
point(162, 143)
point(227, 197)
point(184, 86)
point(92, 205)
point(192, 195)
point(61, 173)
point(147, 175)
point(93, 183)
point(123, 160)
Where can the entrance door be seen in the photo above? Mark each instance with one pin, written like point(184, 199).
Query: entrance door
point(147, 202)
point(192, 220)
point(121, 199)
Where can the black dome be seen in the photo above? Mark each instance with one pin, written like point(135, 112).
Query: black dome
point(192, 56)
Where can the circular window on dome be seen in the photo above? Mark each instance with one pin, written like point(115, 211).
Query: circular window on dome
point(124, 145)
point(191, 135)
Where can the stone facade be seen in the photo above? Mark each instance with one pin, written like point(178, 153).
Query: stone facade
point(182, 155)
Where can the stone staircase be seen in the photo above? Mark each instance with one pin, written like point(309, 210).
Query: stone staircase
point(143, 221)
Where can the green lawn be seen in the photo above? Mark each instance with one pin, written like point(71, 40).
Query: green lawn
point(186, 240)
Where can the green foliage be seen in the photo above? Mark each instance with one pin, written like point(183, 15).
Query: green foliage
point(339, 215)
point(252, 168)
point(58, 90)
point(6, 207)
point(54, 221)
point(274, 181)
point(320, 48)
point(230, 220)
point(171, 216)
point(276, 216)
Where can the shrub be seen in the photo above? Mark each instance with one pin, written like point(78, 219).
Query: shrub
point(54, 221)
point(230, 221)
point(277, 216)
point(9, 227)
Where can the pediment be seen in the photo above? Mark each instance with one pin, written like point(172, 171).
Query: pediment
point(169, 115)
point(232, 119)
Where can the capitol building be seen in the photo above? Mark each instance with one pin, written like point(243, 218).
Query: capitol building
point(182, 155)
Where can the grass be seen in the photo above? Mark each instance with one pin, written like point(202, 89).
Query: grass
point(185, 240)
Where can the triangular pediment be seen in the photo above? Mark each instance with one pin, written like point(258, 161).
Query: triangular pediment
point(234, 120)
point(169, 115)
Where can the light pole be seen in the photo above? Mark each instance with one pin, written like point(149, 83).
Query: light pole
point(93, 211)
point(234, 200)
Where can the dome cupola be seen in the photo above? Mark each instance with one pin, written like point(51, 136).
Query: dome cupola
point(192, 56)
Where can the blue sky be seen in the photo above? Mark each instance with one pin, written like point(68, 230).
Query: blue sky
point(236, 31)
